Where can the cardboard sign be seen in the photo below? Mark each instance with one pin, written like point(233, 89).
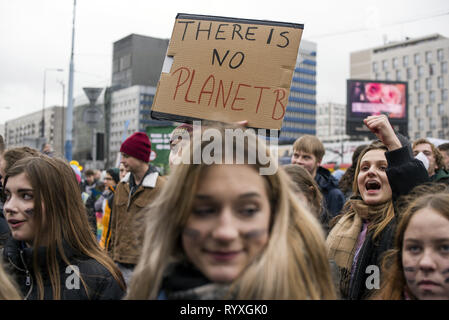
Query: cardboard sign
point(227, 69)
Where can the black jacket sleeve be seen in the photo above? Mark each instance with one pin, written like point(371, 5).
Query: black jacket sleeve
point(404, 171)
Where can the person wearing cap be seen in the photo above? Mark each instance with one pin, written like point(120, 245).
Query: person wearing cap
point(135, 191)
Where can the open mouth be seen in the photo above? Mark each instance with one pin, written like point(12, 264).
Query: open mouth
point(372, 185)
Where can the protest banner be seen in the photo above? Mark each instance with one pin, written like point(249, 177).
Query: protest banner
point(229, 70)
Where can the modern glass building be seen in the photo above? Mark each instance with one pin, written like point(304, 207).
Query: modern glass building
point(300, 117)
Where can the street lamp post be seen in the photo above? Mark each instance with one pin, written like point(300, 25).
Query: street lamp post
point(43, 98)
point(63, 115)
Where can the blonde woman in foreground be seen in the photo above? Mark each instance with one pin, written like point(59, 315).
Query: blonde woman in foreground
point(224, 231)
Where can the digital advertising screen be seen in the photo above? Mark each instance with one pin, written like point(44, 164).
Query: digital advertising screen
point(373, 97)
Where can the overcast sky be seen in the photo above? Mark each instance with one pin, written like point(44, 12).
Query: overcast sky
point(36, 35)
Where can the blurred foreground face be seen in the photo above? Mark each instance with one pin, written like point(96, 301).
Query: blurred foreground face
point(122, 171)
point(425, 255)
point(18, 208)
point(372, 180)
point(229, 223)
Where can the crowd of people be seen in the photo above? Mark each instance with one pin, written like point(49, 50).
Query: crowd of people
point(226, 231)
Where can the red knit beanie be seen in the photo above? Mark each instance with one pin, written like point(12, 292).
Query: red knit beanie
point(137, 145)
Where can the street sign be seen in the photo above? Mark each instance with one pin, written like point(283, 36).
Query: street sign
point(92, 94)
point(92, 115)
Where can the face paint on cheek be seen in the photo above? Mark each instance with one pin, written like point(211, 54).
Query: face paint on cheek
point(29, 212)
point(409, 278)
point(192, 233)
point(253, 234)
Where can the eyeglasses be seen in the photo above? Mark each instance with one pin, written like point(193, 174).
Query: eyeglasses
point(107, 178)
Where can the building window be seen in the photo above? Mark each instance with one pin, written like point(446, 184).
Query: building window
point(440, 109)
point(428, 56)
point(431, 69)
point(417, 111)
point(420, 98)
point(376, 76)
point(428, 110)
point(375, 66)
point(432, 96)
point(417, 84)
point(409, 73)
point(440, 82)
point(417, 135)
point(420, 71)
point(444, 95)
point(445, 122)
point(428, 83)
point(429, 134)
point(440, 54)
point(387, 75)
point(441, 134)
point(417, 58)
point(395, 63)
point(420, 125)
point(444, 67)
point(384, 65)
point(405, 61)
point(432, 124)
point(398, 75)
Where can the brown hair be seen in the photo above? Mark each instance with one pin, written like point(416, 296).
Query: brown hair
point(8, 288)
point(310, 144)
point(56, 188)
point(304, 183)
point(394, 283)
point(11, 156)
point(346, 181)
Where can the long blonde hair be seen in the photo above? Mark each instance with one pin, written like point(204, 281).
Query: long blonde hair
point(8, 288)
point(293, 264)
point(63, 220)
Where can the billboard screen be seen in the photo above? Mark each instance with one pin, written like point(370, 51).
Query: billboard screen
point(372, 97)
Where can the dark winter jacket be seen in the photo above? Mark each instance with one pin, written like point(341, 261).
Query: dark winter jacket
point(334, 198)
point(18, 259)
point(404, 172)
point(440, 176)
point(185, 282)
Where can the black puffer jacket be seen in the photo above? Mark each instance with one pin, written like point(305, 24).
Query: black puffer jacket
point(100, 282)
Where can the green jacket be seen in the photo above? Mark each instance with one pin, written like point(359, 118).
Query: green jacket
point(440, 175)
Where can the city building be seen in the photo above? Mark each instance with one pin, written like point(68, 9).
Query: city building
point(300, 117)
point(423, 63)
point(84, 147)
point(26, 130)
point(137, 60)
point(331, 122)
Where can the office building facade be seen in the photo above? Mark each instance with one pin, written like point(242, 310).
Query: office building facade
point(137, 60)
point(331, 121)
point(423, 63)
point(27, 130)
point(300, 116)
